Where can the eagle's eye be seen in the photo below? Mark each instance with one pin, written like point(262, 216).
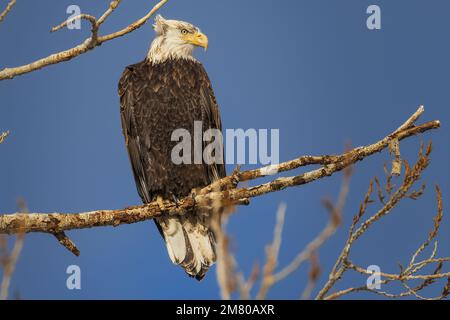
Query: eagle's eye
point(184, 31)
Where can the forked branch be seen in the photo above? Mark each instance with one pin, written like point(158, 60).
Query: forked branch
point(89, 44)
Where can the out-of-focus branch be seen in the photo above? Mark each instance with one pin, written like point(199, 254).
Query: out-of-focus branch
point(245, 286)
point(67, 243)
point(224, 191)
point(313, 277)
point(3, 135)
point(9, 265)
point(226, 271)
point(272, 252)
point(8, 261)
point(89, 44)
point(310, 252)
point(327, 232)
point(7, 9)
point(229, 278)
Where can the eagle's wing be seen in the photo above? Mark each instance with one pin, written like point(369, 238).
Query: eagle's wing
point(129, 93)
point(212, 121)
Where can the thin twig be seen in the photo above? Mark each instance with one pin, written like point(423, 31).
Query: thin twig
point(67, 243)
point(7, 9)
point(226, 273)
point(3, 135)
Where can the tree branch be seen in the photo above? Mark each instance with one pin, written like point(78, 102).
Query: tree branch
point(3, 136)
point(7, 9)
point(89, 44)
point(228, 195)
point(405, 275)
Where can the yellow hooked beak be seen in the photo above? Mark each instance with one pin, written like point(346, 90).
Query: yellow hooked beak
point(197, 39)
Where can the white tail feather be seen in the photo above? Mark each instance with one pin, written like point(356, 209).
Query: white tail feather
point(189, 242)
point(174, 238)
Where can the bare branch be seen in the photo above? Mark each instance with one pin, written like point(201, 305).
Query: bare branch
point(228, 194)
point(410, 273)
point(112, 6)
point(401, 277)
point(327, 232)
point(227, 276)
point(135, 25)
point(7, 9)
point(314, 275)
point(3, 135)
point(246, 286)
point(8, 262)
point(10, 266)
point(89, 44)
point(67, 243)
point(410, 122)
point(272, 254)
point(434, 232)
point(83, 16)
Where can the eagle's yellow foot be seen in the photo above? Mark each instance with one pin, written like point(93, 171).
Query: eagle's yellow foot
point(160, 202)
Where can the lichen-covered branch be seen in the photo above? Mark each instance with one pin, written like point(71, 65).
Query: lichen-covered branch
point(89, 44)
point(224, 191)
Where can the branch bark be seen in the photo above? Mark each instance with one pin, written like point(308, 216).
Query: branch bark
point(229, 194)
point(410, 273)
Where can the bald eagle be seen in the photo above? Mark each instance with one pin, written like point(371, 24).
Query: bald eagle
point(167, 91)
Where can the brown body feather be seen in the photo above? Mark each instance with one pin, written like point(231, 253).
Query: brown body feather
point(155, 100)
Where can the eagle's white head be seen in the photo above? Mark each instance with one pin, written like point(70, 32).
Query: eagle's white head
point(175, 40)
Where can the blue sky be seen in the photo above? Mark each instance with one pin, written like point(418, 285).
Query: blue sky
point(309, 68)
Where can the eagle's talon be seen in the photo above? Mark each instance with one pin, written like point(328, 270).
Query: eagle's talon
point(193, 195)
point(153, 94)
point(160, 202)
point(176, 200)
